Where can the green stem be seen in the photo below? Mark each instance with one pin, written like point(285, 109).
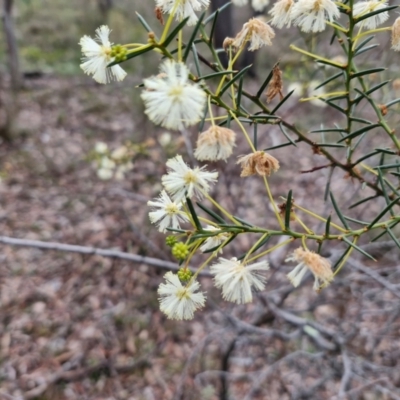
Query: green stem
point(307, 53)
point(275, 208)
point(254, 247)
point(246, 135)
point(169, 21)
point(222, 209)
point(270, 250)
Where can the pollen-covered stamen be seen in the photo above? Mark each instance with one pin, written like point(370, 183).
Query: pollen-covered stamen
point(182, 294)
point(190, 177)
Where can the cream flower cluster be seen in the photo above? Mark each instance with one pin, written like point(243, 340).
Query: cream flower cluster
point(183, 8)
point(178, 301)
point(365, 7)
point(183, 181)
point(97, 55)
point(308, 15)
point(214, 241)
point(166, 213)
point(111, 164)
point(238, 281)
point(234, 278)
point(171, 100)
point(311, 15)
point(180, 182)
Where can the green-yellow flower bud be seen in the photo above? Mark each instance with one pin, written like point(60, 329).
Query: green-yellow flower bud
point(170, 241)
point(184, 274)
point(180, 251)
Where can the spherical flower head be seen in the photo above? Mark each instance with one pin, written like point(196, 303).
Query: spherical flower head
point(228, 44)
point(171, 240)
point(106, 168)
point(184, 274)
point(184, 8)
point(170, 100)
point(214, 241)
point(257, 32)
point(216, 143)
point(178, 301)
point(97, 55)
point(101, 148)
point(259, 5)
point(308, 260)
point(365, 7)
point(166, 213)
point(183, 181)
point(396, 35)
point(119, 153)
point(281, 13)
point(259, 162)
point(105, 174)
point(180, 251)
point(310, 15)
point(237, 279)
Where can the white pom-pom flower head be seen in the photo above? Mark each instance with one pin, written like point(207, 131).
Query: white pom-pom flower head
point(171, 100)
point(282, 13)
point(365, 7)
point(183, 181)
point(166, 213)
point(178, 301)
point(237, 279)
point(97, 55)
point(213, 242)
point(183, 8)
point(311, 15)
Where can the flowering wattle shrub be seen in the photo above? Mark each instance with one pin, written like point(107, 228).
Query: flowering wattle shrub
point(180, 97)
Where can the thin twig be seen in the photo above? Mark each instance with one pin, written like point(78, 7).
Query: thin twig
point(155, 262)
point(374, 275)
point(81, 373)
point(316, 168)
point(347, 373)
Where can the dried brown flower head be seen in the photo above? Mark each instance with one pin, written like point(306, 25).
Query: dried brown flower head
point(260, 163)
point(319, 266)
point(383, 108)
point(228, 42)
point(257, 32)
point(275, 85)
point(216, 143)
point(316, 149)
point(159, 15)
point(282, 210)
